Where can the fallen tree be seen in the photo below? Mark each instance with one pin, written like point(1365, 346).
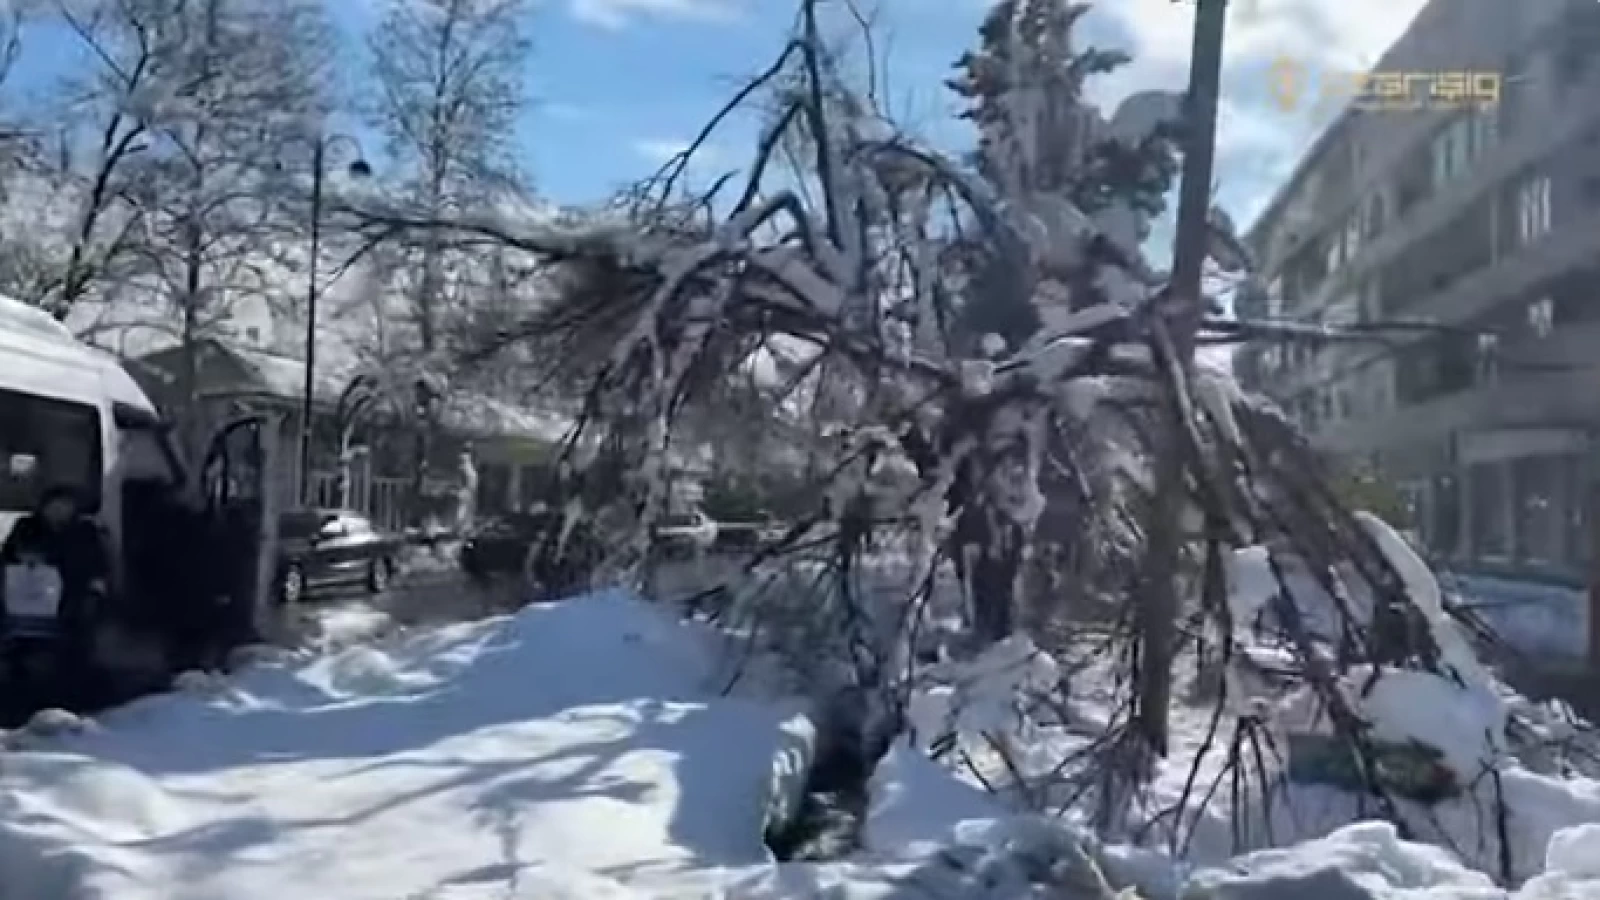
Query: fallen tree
point(1010, 468)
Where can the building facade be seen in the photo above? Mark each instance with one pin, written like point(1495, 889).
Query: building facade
point(1479, 223)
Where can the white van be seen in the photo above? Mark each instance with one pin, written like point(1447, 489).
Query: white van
point(71, 414)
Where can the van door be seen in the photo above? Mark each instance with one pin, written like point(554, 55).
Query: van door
point(236, 481)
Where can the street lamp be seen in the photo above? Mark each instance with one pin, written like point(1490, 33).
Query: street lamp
point(321, 147)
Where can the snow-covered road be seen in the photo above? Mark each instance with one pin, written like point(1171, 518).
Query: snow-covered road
point(575, 751)
point(575, 738)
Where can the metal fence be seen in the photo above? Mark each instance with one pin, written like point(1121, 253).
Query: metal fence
point(381, 498)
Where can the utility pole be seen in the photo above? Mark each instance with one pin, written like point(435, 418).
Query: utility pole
point(309, 399)
point(319, 173)
point(1158, 598)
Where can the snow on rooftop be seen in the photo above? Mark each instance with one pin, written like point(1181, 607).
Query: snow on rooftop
point(284, 376)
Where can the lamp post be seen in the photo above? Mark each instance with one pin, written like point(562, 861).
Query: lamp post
point(320, 148)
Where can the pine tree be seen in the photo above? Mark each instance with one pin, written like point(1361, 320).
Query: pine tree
point(1038, 136)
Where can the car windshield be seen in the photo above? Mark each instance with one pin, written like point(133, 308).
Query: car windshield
point(301, 523)
point(680, 521)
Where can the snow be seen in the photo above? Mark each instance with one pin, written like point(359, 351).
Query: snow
point(1405, 707)
point(1364, 860)
point(1423, 588)
point(571, 748)
point(1575, 852)
point(581, 750)
point(984, 695)
point(918, 806)
point(1139, 115)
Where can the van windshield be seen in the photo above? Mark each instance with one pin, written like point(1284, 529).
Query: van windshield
point(46, 442)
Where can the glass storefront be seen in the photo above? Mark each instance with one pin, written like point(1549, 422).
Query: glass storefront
point(1491, 532)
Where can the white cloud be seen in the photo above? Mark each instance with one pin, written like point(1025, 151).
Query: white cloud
point(1258, 141)
point(620, 13)
point(710, 160)
point(660, 150)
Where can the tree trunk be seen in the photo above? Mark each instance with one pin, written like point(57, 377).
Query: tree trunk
point(192, 429)
point(1158, 601)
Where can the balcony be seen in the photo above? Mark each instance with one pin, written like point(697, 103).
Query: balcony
point(1574, 244)
point(1520, 399)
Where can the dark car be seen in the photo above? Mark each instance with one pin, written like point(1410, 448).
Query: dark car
point(321, 550)
point(684, 535)
point(505, 546)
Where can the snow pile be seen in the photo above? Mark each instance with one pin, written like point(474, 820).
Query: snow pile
point(1364, 861)
point(1466, 726)
point(966, 844)
point(1369, 861)
point(575, 750)
point(1253, 798)
point(988, 695)
point(1572, 867)
point(568, 750)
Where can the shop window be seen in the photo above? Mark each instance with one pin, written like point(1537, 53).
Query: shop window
point(1491, 539)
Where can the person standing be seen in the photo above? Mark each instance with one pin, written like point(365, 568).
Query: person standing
point(466, 492)
point(57, 569)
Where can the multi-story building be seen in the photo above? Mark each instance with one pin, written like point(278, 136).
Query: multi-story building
point(1481, 222)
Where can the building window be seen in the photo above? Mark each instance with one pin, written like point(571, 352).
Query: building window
point(1353, 234)
point(1452, 150)
point(1580, 495)
point(1445, 516)
point(1533, 209)
point(1373, 212)
point(1485, 130)
point(1488, 358)
point(1490, 537)
point(1539, 514)
point(1542, 317)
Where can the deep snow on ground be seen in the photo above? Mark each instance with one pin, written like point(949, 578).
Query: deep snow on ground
point(576, 751)
point(575, 738)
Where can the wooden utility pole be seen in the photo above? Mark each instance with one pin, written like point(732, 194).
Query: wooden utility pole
point(1158, 598)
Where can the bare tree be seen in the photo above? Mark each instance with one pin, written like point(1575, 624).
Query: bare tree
point(20, 257)
point(447, 84)
point(128, 57)
point(13, 17)
point(448, 81)
point(211, 189)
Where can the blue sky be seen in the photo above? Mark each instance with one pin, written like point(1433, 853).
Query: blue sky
point(618, 85)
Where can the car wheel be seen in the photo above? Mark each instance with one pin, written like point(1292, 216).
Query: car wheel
point(378, 576)
point(292, 586)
